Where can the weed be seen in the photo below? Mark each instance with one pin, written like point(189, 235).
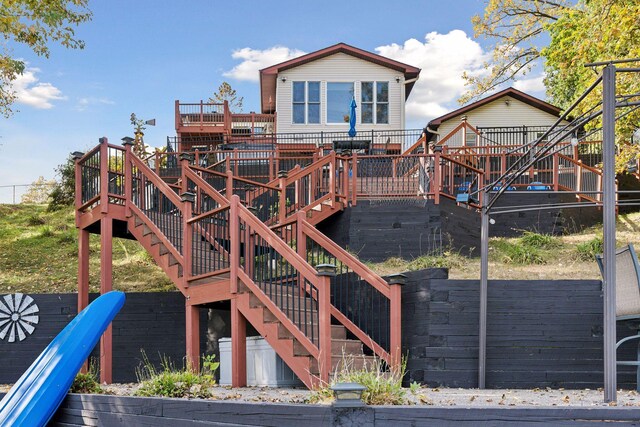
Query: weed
point(46, 231)
point(515, 253)
point(170, 381)
point(588, 250)
point(35, 220)
point(87, 382)
point(414, 387)
point(382, 386)
point(536, 240)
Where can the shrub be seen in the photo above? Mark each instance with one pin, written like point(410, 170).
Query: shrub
point(542, 241)
point(588, 250)
point(87, 383)
point(382, 386)
point(170, 381)
point(35, 220)
point(514, 253)
point(46, 231)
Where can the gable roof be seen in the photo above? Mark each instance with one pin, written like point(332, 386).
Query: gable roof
point(269, 75)
point(512, 92)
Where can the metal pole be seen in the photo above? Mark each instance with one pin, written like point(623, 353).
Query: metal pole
point(484, 276)
point(609, 220)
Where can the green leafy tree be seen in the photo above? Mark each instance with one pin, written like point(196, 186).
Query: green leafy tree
point(63, 193)
point(564, 35)
point(226, 93)
point(35, 24)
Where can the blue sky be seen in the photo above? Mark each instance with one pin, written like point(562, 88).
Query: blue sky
point(140, 56)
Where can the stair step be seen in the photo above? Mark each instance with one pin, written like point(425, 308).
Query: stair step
point(210, 279)
point(344, 363)
point(339, 347)
point(338, 332)
point(138, 221)
point(163, 249)
point(145, 230)
point(172, 260)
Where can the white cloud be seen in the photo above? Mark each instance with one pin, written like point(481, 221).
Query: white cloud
point(443, 58)
point(533, 84)
point(30, 91)
point(84, 103)
point(254, 60)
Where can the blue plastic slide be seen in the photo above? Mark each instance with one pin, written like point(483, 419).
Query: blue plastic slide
point(35, 397)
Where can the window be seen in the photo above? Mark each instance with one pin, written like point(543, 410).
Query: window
point(339, 96)
point(306, 102)
point(375, 98)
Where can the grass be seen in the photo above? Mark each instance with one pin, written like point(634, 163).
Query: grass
point(382, 387)
point(39, 254)
point(531, 256)
point(170, 381)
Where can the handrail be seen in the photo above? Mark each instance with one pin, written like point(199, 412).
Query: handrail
point(156, 180)
point(417, 144)
point(580, 164)
point(204, 186)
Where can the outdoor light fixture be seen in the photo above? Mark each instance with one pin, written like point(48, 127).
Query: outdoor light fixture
point(186, 156)
point(397, 79)
point(188, 197)
point(492, 221)
point(507, 102)
point(437, 148)
point(326, 269)
point(397, 279)
point(77, 155)
point(253, 210)
point(127, 140)
point(348, 395)
point(283, 174)
point(284, 79)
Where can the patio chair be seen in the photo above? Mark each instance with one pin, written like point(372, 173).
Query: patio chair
point(627, 298)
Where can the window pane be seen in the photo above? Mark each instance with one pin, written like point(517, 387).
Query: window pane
point(367, 91)
point(298, 91)
point(367, 113)
point(382, 89)
point(314, 113)
point(314, 91)
point(382, 113)
point(298, 113)
point(339, 96)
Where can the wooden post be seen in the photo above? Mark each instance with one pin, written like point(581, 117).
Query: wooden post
point(238, 346)
point(301, 238)
point(437, 178)
point(188, 200)
point(271, 167)
point(83, 275)
point(556, 172)
point(229, 187)
point(332, 178)
point(106, 285)
point(192, 337)
point(104, 175)
point(395, 305)
point(234, 243)
point(354, 179)
point(324, 324)
point(128, 178)
point(78, 190)
point(201, 115)
point(578, 176)
point(282, 203)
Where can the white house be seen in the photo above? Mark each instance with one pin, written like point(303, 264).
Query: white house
point(509, 116)
point(312, 93)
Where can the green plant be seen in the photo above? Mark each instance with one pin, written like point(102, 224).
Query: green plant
point(536, 240)
point(516, 253)
point(414, 387)
point(170, 381)
point(87, 382)
point(383, 386)
point(46, 231)
point(588, 250)
point(35, 220)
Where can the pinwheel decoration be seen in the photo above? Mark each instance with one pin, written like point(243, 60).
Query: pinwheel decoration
point(18, 317)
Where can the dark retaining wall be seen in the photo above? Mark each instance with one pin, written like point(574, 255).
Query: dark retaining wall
point(540, 334)
point(81, 410)
point(378, 230)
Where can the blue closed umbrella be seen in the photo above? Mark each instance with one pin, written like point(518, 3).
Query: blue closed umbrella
point(352, 119)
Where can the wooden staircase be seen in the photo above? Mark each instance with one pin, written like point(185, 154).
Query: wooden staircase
point(214, 248)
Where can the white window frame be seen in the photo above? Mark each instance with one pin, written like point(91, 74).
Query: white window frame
point(326, 97)
point(306, 102)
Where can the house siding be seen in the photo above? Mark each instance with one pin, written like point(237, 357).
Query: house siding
point(338, 68)
point(497, 113)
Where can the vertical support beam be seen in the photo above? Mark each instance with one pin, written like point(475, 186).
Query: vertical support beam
point(271, 167)
point(354, 179)
point(609, 221)
point(238, 346)
point(282, 202)
point(437, 172)
point(128, 178)
point(83, 275)
point(332, 178)
point(484, 279)
point(104, 175)
point(324, 326)
point(78, 190)
point(192, 336)
point(229, 186)
point(395, 314)
point(106, 285)
point(301, 238)
point(188, 199)
point(556, 172)
point(234, 243)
